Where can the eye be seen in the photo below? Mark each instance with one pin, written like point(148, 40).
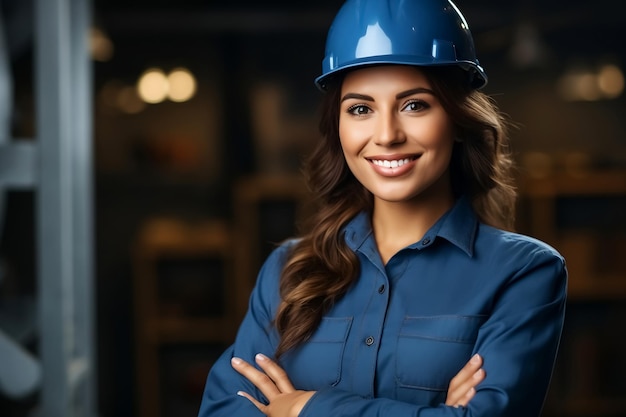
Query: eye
point(359, 110)
point(415, 106)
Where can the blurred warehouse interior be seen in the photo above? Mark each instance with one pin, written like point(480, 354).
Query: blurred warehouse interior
point(202, 111)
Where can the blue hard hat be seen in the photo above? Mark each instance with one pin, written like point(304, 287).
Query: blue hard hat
point(410, 32)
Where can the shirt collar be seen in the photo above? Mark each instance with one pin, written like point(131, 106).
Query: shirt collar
point(458, 226)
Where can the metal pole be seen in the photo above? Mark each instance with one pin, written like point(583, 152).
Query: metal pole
point(6, 96)
point(82, 185)
point(65, 289)
point(54, 204)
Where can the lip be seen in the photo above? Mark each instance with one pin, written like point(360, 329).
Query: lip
point(393, 165)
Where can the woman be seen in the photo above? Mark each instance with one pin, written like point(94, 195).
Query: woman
point(408, 296)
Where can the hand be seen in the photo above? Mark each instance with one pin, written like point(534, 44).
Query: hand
point(273, 382)
point(463, 386)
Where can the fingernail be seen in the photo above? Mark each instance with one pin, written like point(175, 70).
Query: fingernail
point(235, 361)
point(261, 357)
point(476, 358)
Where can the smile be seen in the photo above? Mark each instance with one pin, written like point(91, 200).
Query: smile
point(392, 163)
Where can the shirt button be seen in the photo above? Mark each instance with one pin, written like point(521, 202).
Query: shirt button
point(426, 241)
point(369, 341)
point(381, 289)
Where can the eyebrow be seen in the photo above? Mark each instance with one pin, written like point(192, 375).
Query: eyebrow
point(356, 96)
point(418, 90)
point(401, 95)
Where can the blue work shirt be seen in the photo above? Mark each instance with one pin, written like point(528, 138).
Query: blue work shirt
point(391, 345)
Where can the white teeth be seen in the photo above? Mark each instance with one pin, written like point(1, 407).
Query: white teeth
point(391, 164)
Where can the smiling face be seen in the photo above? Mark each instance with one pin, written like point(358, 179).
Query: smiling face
point(396, 137)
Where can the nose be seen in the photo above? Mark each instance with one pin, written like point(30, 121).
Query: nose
point(388, 130)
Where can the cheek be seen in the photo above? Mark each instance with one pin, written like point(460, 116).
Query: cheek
point(355, 134)
point(443, 153)
point(347, 137)
point(349, 145)
point(441, 138)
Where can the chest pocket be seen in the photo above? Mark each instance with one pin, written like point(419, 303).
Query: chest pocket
point(317, 363)
point(432, 350)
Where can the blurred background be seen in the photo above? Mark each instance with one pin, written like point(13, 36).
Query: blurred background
point(148, 168)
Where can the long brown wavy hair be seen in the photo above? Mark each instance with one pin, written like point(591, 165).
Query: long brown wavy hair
point(320, 267)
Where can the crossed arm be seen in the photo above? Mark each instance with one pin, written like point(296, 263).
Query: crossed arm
point(518, 342)
point(287, 401)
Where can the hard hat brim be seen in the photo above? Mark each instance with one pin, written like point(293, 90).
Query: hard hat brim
point(478, 77)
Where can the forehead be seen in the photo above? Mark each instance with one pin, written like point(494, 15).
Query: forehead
point(385, 78)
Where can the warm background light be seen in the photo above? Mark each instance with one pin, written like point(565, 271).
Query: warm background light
point(611, 81)
point(128, 101)
point(182, 85)
point(579, 84)
point(100, 46)
point(153, 86)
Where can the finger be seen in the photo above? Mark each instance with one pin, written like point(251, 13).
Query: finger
point(262, 407)
point(275, 372)
point(468, 370)
point(258, 378)
point(465, 399)
point(464, 380)
point(464, 392)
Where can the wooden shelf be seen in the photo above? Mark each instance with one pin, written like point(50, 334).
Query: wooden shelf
point(183, 255)
point(596, 261)
point(250, 195)
point(590, 184)
point(585, 250)
point(169, 252)
point(598, 288)
point(594, 406)
point(189, 330)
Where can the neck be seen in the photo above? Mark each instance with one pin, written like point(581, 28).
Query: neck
point(399, 224)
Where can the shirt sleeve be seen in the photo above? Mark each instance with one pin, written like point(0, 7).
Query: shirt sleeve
point(518, 343)
point(255, 335)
